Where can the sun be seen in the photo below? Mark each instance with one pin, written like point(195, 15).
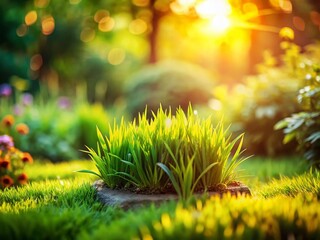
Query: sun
point(217, 12)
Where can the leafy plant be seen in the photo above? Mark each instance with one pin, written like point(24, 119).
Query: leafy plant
point(305, 125)
point(180, 152)
point(266, 98)
point(12, 160)
point(169, 83)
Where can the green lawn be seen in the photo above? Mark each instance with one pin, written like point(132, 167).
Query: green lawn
point(60, 204)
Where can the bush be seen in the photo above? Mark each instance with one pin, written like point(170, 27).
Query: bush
point(59, 128)
point(178, 152)
point(304, 127)
point(169, 83)
point(267, 98)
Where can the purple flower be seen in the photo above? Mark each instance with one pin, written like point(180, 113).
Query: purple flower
point(64, 103)
point(6, 142)
point(27, 99)
point(5, 90)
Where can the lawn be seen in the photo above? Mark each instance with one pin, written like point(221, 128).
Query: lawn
point(59, 203)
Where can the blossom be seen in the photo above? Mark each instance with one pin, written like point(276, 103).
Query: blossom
point(4, 163)
point(6, 181)
point(22, 129)
point(23, 178)
point(8, 120)
point(27, 99)
point(6, 142)
point(5, 90)
point(26, 158)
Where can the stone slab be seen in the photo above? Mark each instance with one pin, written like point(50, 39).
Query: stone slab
point(126, 199)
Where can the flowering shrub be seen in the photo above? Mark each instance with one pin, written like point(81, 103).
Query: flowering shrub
point(12, 160)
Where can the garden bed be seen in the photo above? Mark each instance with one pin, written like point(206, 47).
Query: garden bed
point(128, 199)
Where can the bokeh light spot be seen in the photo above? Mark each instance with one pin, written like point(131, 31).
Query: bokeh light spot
point(138, 26)
point(287, 33)
point(286, 6)
point(47, 25)
point(116, 56)
point(74, 2)
point(22, 30)
point(100, 14)
point(31, 17)
point(41, 3)
point(299, 23)
point(36, 62)
point(315, 18)
point(87, 34)
point(141, 3)
point(106, 24)
point(250, 8)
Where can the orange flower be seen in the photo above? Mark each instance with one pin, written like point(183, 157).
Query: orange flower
point(22, 128)
point(6, 181)
point(26, 158)
point(8, 120)
point(4, 163)
point(23, 178)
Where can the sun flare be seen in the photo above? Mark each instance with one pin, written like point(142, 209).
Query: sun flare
point(217, 12)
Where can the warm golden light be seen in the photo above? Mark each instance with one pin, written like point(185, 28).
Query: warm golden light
point(116, 56)
point(218, 12)
point(251, 9)
point(100, 14)
point(209, 8)
point(31, 17)
point(47, 25)
point(138, 26)
point(141, 3)
point(220, 23)
point(106, 24)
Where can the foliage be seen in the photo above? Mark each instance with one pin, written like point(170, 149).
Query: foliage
point(305, 125)
point(178, 151)
point(169, 83)
point(267, 98)
point(58, 126)
point(12, 160)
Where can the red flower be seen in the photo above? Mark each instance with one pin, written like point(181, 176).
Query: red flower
point(8, 120)
point(6, 181)
point(22, 129)
point(4, 163)
point(26, 158)
point(23, 178)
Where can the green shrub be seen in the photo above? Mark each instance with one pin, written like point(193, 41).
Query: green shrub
point(267, 98)
point(87, 118)
point(170, 83)
point(53, 131)
point(180, 152)
point(304, 127)
point(59, 127)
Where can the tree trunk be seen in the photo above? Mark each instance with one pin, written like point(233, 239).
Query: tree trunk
point(156, 15)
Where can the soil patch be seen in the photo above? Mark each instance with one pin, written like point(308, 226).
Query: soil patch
point(126, 199)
